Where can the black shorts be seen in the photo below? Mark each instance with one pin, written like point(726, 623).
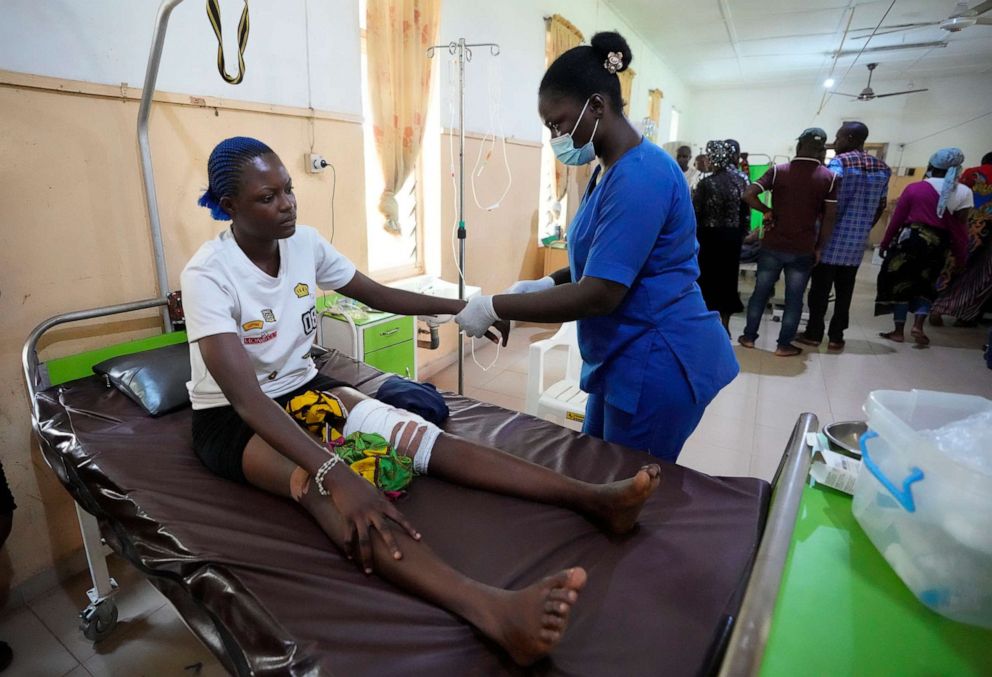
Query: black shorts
point(220, 435)
point(7, 504)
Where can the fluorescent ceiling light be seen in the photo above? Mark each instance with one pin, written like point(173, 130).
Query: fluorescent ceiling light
point(889, 48)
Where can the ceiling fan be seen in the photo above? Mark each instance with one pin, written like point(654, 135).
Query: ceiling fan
point(867, 94)
point(962, 17)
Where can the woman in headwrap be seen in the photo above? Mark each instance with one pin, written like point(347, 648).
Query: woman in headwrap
point(722, 221)
point(929, 221)
point(970, 293)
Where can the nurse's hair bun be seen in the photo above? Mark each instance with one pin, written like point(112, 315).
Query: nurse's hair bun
point(613, 51)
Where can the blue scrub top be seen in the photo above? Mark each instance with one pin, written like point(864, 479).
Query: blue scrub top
point(637, 227)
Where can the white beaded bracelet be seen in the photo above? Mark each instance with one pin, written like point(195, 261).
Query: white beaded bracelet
point(322, 473)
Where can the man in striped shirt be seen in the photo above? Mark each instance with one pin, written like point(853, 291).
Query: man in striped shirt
point(861, 199)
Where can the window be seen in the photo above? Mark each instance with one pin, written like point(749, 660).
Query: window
point(391, 256)
point(673, 127)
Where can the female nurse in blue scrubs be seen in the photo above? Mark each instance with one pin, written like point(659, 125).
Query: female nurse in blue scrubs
point(653, 356)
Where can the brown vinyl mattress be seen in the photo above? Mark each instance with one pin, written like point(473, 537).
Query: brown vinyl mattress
point(263, 587)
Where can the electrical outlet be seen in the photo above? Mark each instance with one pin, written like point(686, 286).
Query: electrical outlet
point(314, 162)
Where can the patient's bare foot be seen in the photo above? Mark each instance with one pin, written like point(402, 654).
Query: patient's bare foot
point(620, 503)
point(529, 623)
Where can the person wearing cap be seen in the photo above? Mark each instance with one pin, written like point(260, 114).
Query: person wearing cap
point(860, 202)
point(804, 192)
point(930, 220)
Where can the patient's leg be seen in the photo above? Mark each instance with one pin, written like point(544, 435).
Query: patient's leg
point(615, 506)
point(528, 623)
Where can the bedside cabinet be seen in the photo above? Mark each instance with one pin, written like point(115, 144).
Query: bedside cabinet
point(382, 340)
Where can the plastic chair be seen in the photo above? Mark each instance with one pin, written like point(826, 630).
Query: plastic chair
point(563, 402)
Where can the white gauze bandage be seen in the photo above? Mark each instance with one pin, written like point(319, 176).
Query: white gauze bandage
point(408, 433)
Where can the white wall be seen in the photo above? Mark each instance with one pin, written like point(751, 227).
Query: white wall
point(768, 119)
point(518, 27)
point(108, 41)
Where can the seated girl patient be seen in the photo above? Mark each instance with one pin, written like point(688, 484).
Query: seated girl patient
point(249, 297)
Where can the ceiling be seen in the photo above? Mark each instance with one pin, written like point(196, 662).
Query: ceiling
point(713, 43)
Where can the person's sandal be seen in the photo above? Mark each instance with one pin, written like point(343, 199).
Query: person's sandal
point(788, 351)
point(746, 342)
point(920, 338)
point(836, 346)
point(802, 338)
point(892, 336)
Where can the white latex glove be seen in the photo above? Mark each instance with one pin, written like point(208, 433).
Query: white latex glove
point(528, 286)
point(477, 316)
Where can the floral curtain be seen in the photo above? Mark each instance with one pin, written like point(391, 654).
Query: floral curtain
point(398, 33)
point(561, 37)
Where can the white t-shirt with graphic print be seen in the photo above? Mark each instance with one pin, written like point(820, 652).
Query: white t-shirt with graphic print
point(274, 317)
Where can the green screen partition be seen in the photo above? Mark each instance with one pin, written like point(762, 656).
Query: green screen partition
point(754, 173)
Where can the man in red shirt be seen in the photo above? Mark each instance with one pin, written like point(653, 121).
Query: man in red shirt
point(804, 195)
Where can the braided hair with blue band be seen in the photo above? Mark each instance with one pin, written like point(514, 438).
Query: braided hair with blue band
point(224, 167)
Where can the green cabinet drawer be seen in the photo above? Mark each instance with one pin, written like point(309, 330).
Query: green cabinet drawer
point(397, 359)
point(386, 334)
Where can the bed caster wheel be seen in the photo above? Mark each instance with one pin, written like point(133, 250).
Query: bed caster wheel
point(98, 620)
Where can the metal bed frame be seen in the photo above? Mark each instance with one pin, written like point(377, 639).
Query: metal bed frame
point(747, 641)
point(99, 617)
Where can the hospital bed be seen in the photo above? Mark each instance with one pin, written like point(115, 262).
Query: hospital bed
point(691, 591)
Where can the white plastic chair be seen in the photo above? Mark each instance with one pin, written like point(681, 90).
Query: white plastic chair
point(562, 402)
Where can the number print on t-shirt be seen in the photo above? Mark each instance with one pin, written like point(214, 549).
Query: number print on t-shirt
point(310, 320)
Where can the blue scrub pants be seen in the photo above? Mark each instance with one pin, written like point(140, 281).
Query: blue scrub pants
point(666, 415)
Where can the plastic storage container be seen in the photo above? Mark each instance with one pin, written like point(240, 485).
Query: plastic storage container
point(927, 513)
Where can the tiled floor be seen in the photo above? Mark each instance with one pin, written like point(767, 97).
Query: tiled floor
point(743, 433)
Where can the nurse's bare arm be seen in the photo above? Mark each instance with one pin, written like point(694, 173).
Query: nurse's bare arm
point(590, 297)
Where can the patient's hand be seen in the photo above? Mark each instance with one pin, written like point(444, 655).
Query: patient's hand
point(503, 327)
point(364, 508)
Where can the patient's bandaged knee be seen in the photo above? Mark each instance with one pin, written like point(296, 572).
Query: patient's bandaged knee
point(406, 432)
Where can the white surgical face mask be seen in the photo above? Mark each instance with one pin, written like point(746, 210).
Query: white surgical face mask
point(564, 146)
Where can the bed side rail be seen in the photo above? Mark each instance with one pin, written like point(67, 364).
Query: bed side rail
point(34, 375)
point(747, 642)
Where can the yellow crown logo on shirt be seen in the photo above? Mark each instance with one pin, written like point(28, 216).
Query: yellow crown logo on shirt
point(301, 289)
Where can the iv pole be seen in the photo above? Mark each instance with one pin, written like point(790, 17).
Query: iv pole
point(464, 52)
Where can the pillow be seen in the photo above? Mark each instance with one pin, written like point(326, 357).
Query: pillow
point(155, 379)
point(422, 399)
